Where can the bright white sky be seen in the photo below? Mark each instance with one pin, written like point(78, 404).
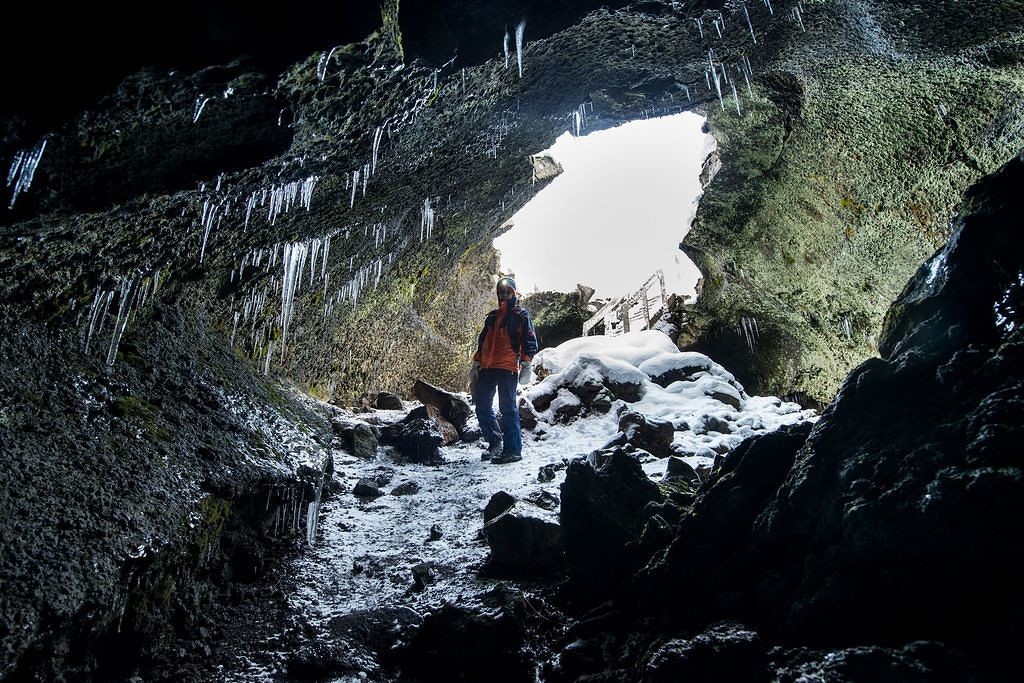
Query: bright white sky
point(617, 213)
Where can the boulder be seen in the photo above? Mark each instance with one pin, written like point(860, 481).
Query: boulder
point(359, 440)
point(406, 488)
point(367, 488)
point(603, 510)
point(453, 407)
point(566, 407)
point(725, 652)
point(417, 441)
point(499, 503)
point(679, 468)
point(524, 540)
point(429, 412)
point(388, 401)
point(528, 417)
point(666, 368)
point(649, 433)
point(462, 644)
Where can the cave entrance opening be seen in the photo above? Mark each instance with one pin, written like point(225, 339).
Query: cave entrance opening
point(616, 215)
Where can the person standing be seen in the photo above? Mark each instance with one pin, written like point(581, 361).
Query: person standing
point(504, 354)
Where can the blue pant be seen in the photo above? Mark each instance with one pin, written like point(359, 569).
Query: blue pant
point(504, 382)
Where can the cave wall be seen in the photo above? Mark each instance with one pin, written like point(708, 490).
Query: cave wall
point(856, 138)
point(859, 140)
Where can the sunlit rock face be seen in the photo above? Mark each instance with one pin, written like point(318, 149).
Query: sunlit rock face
point(840, 178)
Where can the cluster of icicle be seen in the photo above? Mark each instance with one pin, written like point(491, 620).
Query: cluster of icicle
point(128, 295)
point(520, 30)
point(748, 329)
point(279, 199)
point(23, 169)
point(361, 176)
point(302, 264)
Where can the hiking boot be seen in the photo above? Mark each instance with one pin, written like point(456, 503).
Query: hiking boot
point(493, 451)
point(506, 457)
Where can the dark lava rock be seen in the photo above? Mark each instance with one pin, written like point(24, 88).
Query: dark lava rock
point(436, 533)
point(457, 644)
point(406, 488)
point(715, 534)
point(358, 439)
point(726, 652)
point(417, 441)
point(602, 512)
point(367, 488)
point(453, 407)
point(684, 371)
point(429, 413)
point(917, 662)
point(528, 416)
point(649, 433)
point(499, 503)
point(422, 576)
point(388, 401)
point(679, 468)
point(543, 499)
point(374, 637)
point(542, 401)
point(626, 391)
point(905, 498)
point(712, 423)
point(471, 435)
point(524, 540)
point(315, 660)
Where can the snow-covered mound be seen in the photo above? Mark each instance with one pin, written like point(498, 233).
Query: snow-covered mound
point(603, 379)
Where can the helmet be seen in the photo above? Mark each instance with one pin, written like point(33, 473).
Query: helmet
point(506, 283)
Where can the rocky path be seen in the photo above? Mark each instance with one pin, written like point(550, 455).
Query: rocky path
point(416, 547)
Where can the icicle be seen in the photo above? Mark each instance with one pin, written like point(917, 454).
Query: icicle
point(19, 158)
point(847, 327)
point(798, 13)
point(426, 220)
point(768, 4)
point(718, 84)
point(735, 97)
point(700, 27)
point(93, 315)
point(747, 15)
point(505, 47)
point(366, 176)
point(200, 104)
point(321, 67)
point(23, 170)
point(377, 135)
point(266, 361)
point(355, 184)
point(748, 328)
point(520, 28)
point(717, 27)
point(128, 292)
point(234, 327)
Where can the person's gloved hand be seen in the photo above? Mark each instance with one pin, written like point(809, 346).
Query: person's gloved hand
point(525, 372)
point(474, 375)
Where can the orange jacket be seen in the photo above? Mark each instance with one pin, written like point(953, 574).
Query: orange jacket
point(494, 346)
